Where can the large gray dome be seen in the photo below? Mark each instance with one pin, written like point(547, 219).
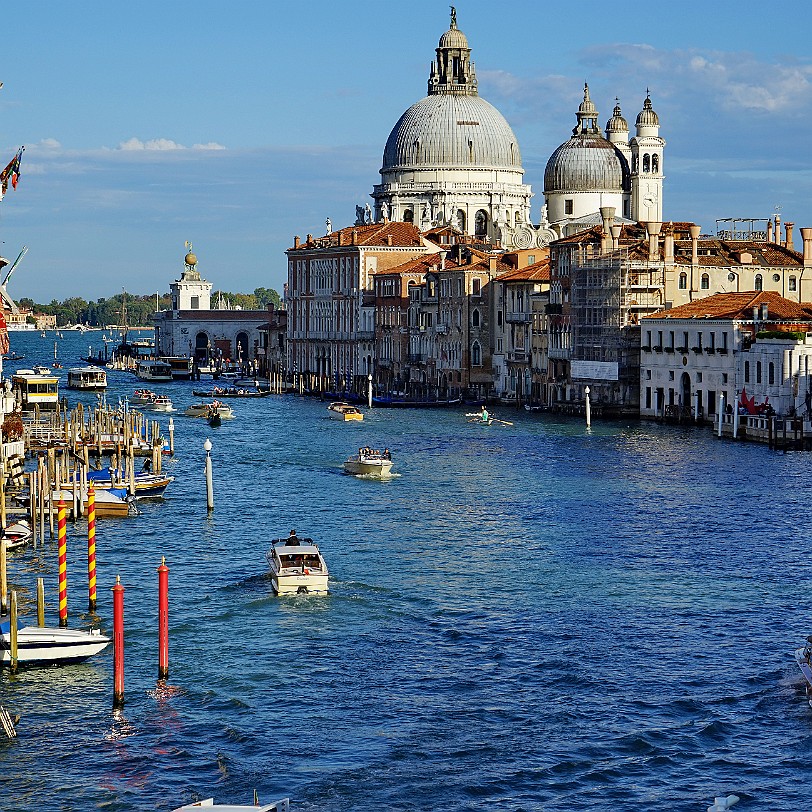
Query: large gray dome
point(448, 130)
point(586, 163)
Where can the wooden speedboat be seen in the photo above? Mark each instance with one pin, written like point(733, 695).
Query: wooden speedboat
point(369, 462)
point(147, 485)
point(205, 410)
point(17, 534)
point(297, 567)
point(46, 645)
point(344, 411)
point(108, 501)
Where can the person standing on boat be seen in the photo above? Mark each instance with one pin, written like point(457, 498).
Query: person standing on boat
point(484, 414)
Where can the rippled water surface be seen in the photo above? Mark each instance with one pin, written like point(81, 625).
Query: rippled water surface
point(528, 617)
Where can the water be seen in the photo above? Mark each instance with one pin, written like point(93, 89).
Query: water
point(533, 617)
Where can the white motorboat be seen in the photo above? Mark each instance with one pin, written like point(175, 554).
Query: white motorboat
point(369, 462)
point(343, 411)
point(17, 534)
point(207, 409)
point(161, 403)
point(48, 645)
point(143, 397)
point(277, 806)
point(297, 567)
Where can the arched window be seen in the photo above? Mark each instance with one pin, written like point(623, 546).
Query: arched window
point(476, 354)
point(683, 281)
point(759, 282)
point(771, 373)
point(408, 216)
point(705, 282)
point(461, 219)
point(655, 162)
point(646, 162)
point(475, 318)
point(758, 371)
point(481, 223)
point(793, 283)
point(747, 372)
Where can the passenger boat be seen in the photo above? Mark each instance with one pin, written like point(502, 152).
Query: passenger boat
point(368, 462)
point(143, 397)
point(277, 806)
point(205, 409)
point(297, 567)
point(46, 645)
point(343, 411)
point(158, 371)
point(88, 379)
point(17, 534)
point(35, 390)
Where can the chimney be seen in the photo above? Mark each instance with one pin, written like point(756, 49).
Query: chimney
point(309, 238)
point(777, 229)
point(755, 314)
point(668, 248)
point(806, 236)
point(765, 311)
point(296, 241)
point(491, 264)
point(389, 240)
point(616, 236)
point(608, 215)
point(442, 261)
point(355, 236)
point(653, 230)
point(788, 239)
point(695, 232)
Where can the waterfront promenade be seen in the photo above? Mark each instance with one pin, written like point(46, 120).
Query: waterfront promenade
point(528, 617)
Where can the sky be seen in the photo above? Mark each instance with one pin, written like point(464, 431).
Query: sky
point(239, 125)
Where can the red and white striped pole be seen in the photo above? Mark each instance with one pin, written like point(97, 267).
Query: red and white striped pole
point(63, 567)
point(163, 620)
point(91, 548)
point(118, 645)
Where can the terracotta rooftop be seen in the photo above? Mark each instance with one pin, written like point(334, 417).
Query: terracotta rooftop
point(404, 235)
point(423, 264)
point(537, 272)
point(739, 306)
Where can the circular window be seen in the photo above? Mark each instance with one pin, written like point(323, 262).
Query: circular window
point(776, 277)
point(731, 277)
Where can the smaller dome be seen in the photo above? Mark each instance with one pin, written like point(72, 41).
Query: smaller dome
point(647, 117)
point(190, 259)
point(617, 124)
point(453, 38)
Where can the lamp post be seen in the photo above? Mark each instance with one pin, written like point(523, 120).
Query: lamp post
point(369, 377)
point(209, 484)
point(588, 414)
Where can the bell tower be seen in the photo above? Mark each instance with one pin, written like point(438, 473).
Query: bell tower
point(647, 166)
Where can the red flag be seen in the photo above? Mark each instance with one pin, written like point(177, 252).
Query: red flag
point(4, 343)
point(15, 170)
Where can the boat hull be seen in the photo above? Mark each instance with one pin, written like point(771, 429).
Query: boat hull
point(51, 646)
point(371, 468)
point(298, 584)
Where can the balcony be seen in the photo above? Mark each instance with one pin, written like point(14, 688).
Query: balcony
point(441, 329)
point(697, 350)
point(710, 350)
point(518, 318)
point(683, 350)
point(658, 348)
point(645, 348)
point(559, 353)
point(517, 355)
point(415, 357)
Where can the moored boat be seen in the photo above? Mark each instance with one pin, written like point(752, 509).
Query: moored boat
point(231, 392)
point(343, 411)
point(109, 502)
point(297, 567)
point(45, 645)
point(147, 484)
point(803, 656)
point(17, 534)
point(369, 462)
point(157, 371)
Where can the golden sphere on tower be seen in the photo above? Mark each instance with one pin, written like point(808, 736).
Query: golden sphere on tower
point(191, 259)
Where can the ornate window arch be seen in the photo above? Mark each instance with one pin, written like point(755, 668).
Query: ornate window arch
point(683, 281)
point(475, 320)
point(759, 282)
point(705, 282)
point(476, 354)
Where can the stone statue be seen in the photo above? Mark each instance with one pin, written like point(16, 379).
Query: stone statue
point(457, 222)
point(329, 224)
point(544, 215)
point(367, 214)
point(385, 210)
point(453, 17)
point(359, 215)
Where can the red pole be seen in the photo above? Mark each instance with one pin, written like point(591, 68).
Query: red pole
point(163, 620)
point(91, 548)
point(63, 567)
point(118, 645)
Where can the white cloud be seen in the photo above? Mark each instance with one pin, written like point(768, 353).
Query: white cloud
point(210, 145)
point(159, 144)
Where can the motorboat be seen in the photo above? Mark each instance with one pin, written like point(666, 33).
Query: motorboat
point(231, 392)
point(147, 484)
point(297, 567)
point(112, 501)
point(42, 370)
point(46, 645)
point(206, 409)
point(143, 397)
point(161, 403)
point(277, 806)
point(87, 379)
point(803, 656)
point(369, 462)
point(341, 410)
point(17, 534)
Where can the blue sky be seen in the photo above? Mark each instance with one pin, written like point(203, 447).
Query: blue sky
point(237, 125)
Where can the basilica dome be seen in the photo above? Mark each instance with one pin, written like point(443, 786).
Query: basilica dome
point(445, 130)
point(586, 163)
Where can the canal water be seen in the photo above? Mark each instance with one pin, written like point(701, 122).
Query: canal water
point(528, 617)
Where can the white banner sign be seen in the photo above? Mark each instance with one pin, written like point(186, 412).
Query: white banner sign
point(593, 370)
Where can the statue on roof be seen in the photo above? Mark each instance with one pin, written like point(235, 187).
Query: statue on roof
point(453, 17)
point(329, 223)
point(367, 214)
point(385, 211)
point(359, 215)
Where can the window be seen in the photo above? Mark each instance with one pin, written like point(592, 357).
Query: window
point(670, 374)
point(771, 373)
point(705, 283)
point(476, 354)
point(724, 341)
point(699, 377)
point(461, 219)
point(683, 281)
point(759, 284)
point(776, 277)
point(646, 162)
point(648, 374)
point(475, 318)
point(711, 401)
point(408, 216)
point(655, 162)
point(724, 377)
point(758, 371)
point(793, 283)
point(195, 303)
point(476, 286)
point(568, 206)
point(531, 260)
point(648, 397)
point(498, 318)
point(747, 372)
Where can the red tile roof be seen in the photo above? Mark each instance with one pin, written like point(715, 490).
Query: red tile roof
point(537, 272)
point(404, 235)
point(739, 306)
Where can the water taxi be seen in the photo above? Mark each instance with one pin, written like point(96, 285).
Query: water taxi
point(88, 379)
point(161, 403)
point(44, 645)
point(343, 411)
point(369, 462)
point(297, 567)
point(158, 371)
point(143, 397)
point(35, 390)
point(206, 410)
